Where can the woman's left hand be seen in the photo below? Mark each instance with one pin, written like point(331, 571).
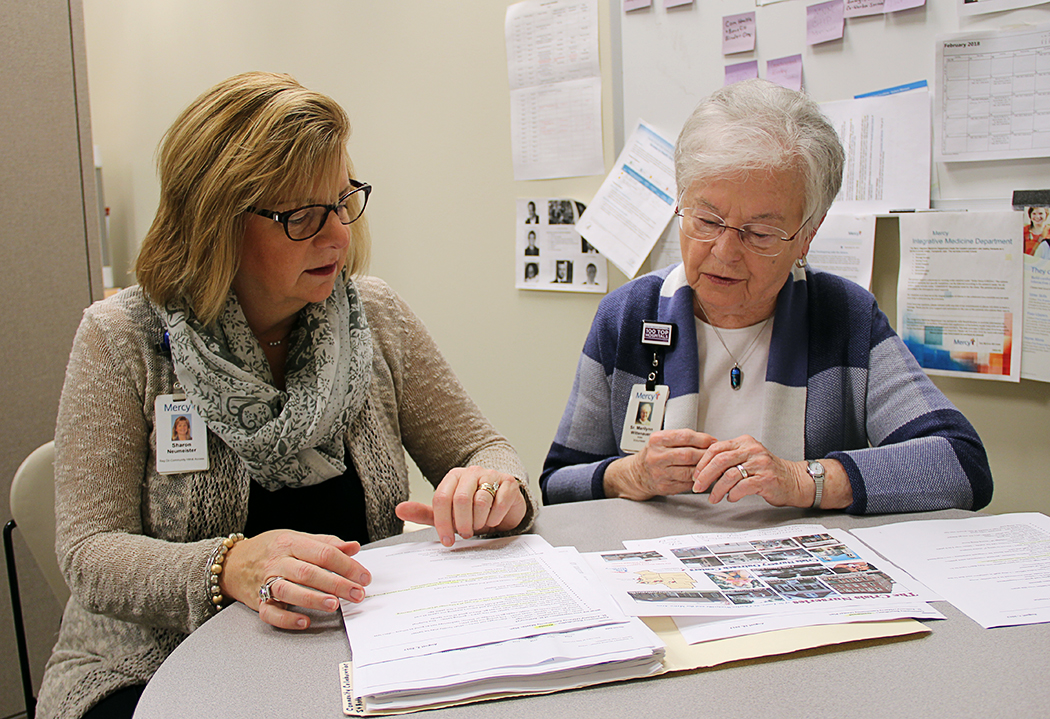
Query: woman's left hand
point(464, 505)
point(778, 481)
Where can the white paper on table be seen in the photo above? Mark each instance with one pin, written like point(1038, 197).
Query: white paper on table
point(887, 144)
point(705, 629)
point(995, 569)
point(799, 569)
point(542, 654)
point(555, 88)
point(635, 201)
point(1035, 351)
point(786, 72)
point(959, 293)
point(426, 598)
point(991, 102)
point(845, 245)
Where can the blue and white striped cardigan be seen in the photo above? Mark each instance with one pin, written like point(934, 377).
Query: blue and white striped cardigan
point(840, 384)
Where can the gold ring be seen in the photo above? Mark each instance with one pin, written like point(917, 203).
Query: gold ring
point(490, 488)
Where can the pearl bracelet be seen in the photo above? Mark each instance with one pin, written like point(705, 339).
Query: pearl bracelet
point(215, 565)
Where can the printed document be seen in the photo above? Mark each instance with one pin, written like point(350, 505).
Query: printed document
point(430, 598)
point(485, 618)
point(996, 569)
point(887, 144)
point(555, 89)
point(635, 203)
point(845, 246)
point(992, 101)
point(1035, 353)
point(796, 569)
point(959, 293)
point(550, 254)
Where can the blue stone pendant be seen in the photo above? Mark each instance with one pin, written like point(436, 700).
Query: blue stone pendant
point(736, 377)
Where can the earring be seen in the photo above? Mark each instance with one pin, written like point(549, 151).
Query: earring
point(800, 262)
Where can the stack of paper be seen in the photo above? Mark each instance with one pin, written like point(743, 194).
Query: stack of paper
point(733, 584)
point(494, 618)
point(485, 618)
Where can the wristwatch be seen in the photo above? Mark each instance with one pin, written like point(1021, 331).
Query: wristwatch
point(816, 471)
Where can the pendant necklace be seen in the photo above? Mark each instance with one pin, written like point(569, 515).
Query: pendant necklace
point(736, 375)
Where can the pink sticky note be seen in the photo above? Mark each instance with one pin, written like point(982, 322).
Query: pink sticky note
point(676, 3)
point(738, 33)
point(862, 8)
point(824, 21)
point(741, 71)
point(786, 71)
point(895, 5)
point(629, 5)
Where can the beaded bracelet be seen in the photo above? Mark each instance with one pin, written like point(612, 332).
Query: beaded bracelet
point(215, 565)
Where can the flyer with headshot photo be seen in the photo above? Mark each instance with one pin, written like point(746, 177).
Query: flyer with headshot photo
point(549, 252)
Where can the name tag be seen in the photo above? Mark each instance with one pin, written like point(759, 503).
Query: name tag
point(645, 415)
point(182, 437)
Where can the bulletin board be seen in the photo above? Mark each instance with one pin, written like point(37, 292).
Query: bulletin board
point(672, 57)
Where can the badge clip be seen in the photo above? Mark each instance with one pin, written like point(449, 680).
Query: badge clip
point(661, 336)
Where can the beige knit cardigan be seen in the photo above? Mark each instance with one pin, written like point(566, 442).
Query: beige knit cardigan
point(133, 544)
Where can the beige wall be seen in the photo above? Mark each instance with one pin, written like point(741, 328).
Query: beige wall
point(426, 86)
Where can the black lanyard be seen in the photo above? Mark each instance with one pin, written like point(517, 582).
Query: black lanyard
point(660, 336)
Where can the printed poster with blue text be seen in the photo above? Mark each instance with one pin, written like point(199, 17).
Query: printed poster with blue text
point(960, 292)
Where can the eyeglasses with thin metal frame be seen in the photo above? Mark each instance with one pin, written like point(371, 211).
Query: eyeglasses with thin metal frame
point(704, 226)
point(302, 223)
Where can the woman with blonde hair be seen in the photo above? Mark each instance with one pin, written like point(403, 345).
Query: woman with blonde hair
point(312, 381)
point(180, 429)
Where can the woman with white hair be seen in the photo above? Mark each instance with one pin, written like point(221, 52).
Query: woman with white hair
point(770, 378)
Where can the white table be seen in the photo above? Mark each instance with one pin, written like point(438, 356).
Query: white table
point(237, 666)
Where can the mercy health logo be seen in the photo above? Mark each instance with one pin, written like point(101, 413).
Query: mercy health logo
point(972, 342)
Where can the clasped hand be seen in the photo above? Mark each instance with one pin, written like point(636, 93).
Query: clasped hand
point(317, 570)
point(682, 460)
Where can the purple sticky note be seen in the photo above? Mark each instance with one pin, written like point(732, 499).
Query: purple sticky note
point(738, 33)
point(741, 71)
point(676, 3)
point(629, 5)
point(786, 71)
point(824, 21)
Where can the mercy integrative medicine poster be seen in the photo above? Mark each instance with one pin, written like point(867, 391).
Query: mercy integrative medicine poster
point(960, 292)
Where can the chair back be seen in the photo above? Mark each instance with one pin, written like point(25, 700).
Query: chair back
point(33, 509)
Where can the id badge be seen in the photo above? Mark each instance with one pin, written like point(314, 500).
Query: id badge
point(645, 415)
point(182, 437)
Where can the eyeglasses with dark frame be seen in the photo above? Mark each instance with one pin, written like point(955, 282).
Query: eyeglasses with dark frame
point(705, 226)
point(302, 223)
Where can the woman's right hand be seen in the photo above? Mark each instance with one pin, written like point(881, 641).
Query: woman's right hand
point(316, 571)
point(663, 467)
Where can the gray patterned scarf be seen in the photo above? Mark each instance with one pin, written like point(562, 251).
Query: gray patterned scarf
point(291, 438)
